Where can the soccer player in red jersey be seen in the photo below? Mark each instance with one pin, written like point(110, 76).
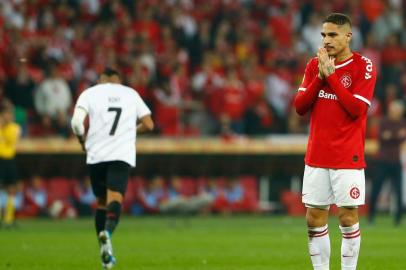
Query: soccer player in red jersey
point(337, 90)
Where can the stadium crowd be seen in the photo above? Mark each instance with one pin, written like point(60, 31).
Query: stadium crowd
point(204, 67)
point(61, 197)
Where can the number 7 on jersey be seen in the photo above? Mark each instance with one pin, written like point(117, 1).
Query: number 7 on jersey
point(116, 119)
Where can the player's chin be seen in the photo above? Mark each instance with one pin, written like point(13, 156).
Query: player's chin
point(332, 52)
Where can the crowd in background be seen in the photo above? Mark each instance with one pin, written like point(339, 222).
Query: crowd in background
point(61, 197)
point(204, 67)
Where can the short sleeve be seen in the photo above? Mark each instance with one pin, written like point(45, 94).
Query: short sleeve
point(365, 82)
point(142, 108)
point(309, 74)
point(83, 102)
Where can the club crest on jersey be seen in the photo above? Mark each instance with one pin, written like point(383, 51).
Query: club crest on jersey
point(355, 192)
point(346, 80)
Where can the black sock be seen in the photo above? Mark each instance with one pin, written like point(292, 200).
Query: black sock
point(112, 216)
point(100, 220)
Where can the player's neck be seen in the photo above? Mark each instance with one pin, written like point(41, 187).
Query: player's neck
point(347, 54)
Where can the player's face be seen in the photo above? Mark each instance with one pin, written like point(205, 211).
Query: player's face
point(336, 38)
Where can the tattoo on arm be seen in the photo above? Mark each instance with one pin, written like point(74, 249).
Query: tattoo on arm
point(330, 69)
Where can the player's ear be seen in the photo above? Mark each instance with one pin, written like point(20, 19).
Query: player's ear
point(349, 36)
point(102, 79)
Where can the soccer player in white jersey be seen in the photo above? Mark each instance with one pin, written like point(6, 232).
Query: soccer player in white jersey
point(114, 111)
point(337, 90)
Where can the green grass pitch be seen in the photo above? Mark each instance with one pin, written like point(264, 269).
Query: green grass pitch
point(203, 243)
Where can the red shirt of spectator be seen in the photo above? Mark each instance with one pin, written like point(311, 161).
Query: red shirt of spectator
point(393, 53)
point(233, 98)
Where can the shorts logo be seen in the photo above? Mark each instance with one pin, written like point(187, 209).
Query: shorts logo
point(346, 81)
point(354, 193)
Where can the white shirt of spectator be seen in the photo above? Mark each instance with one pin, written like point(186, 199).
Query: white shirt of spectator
point(113, 111)
point(52, 97)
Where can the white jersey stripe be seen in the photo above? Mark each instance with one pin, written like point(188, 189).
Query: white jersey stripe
point(301, 89)
point(363, 99)
point(344, 64)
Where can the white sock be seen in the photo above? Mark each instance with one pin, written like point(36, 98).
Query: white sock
point(319, 247)
point(350, 246)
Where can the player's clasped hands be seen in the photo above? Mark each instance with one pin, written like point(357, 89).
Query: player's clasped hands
point(326, 63)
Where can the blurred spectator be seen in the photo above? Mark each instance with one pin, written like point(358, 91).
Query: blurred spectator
point(83, 198)
point(391, 135)
point(19, 89)
point(388, 23)
point(167, 109)
point(371, 50)
point(393, 56)
point(149, 197)
point(53, 100)
point(229, 197)
point(178, 202)
point(311, 33)
point(278, 93)
point(36, 198)
point(16, 195)
point(9, 136)
point(232, 103)
point(297, 124)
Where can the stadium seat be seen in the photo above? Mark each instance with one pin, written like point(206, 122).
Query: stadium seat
point(60, 188)
point(250, 187)
point(188, 186)
point(131, 193)
point(292, 201)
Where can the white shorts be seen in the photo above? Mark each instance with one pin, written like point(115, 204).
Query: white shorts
point(343, 187)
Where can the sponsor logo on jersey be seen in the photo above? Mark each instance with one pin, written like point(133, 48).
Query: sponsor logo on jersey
point(324, 94)
point(368, 68)
point(346, 80)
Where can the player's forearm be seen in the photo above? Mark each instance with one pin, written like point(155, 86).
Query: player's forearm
point(146, 124)
point(79, 116)
point(353, 106)
point(305, 99)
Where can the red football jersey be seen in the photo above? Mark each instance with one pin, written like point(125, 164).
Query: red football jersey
point(337, 140)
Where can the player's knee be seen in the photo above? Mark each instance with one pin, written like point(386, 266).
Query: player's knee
point(316, 217)
point(347, 221)
point(114, 196)
point(348, 218)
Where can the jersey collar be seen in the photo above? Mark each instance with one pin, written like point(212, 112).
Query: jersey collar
point(344, 63)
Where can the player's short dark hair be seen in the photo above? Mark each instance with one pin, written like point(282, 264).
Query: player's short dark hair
point(338, 18)
point(110, 72)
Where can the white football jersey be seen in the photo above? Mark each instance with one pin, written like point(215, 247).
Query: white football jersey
point(113, 110)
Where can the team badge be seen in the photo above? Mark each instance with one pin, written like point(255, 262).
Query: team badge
point(354, 193)
point(346, 80)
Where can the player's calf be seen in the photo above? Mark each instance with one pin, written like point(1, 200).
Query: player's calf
point(319, 247)
point(112, 216)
